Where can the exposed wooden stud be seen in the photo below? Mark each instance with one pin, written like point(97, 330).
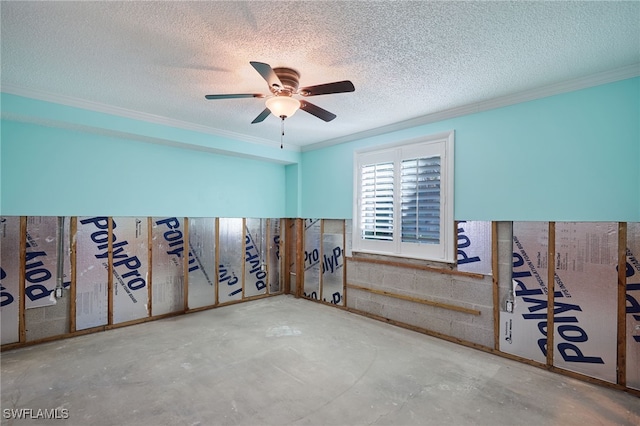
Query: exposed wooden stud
point(73, 232)
point(622, 303)
point(267, 241)
point(455, 240)
point(243, 255)
point(289, 253)
point(344, 263)
point(420, 267)
point(217, 256)
point(551, 272)
point(496, 285)
point(22, 326)
point(185, 265)
point(282, 248)
point(299, 257)
point(416, 300)
point(150, 263)
point(320, 258)
point(110, 288)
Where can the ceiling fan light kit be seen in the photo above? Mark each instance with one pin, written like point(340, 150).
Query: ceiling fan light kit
point(282, 106)
point(283, 84)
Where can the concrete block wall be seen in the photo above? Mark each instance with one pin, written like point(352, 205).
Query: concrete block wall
point(467, 292)
point(48, 321)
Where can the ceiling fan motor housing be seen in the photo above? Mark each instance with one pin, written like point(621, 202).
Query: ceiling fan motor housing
point(290, 80)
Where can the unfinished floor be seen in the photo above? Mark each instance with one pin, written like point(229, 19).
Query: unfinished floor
point(282, 360)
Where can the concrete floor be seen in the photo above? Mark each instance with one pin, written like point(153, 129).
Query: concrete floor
point(284, 361)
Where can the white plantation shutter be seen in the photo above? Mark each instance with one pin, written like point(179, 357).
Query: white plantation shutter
point(403, 204)
point(420, 200)
point(377, 201)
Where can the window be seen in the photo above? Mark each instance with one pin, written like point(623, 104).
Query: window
point(404, 199)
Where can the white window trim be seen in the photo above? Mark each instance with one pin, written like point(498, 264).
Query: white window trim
point(443, 143)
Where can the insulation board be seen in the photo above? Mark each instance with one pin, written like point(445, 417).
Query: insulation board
point(167, 279)
point(585, 298)
point(130, 269)
point(633, 305)
point(202, 262)
point(474, 247)
point(255, 259)
point(9, 279)
point(312, 258)
point(333, 269)
point(274, 255)
point(523, 330)
point(92, 262)
point(41, 261)
point(230, 268)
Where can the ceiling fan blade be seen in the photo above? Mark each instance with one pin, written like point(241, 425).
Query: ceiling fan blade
point(236, 96)
point(268, 74)
point(328, 88)
point(260, 118)
point(312, 109)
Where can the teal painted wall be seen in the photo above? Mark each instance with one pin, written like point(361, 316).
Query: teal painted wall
point(52, 171)
point(18, 108)
point(292, 190)
point(569, 157)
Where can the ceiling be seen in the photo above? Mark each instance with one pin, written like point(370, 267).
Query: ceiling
point(158, 60)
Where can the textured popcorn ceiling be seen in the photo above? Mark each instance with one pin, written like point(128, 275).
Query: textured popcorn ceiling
point(406, 59)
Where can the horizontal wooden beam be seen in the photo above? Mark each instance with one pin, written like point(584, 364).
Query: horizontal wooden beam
point(416, 300)
point(412, 266)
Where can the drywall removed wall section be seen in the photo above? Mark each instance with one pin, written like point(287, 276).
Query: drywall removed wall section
point(633, 305)
point(130, 245)
point(230, 270)
point(123, 246)
point(454, 303)
point(523, 318)
point(332, 288)
point(474, 247)
point(275, 258)
point(92, 272)
point(45, 315)
point(9, 279)
point(255, 259)
point(167, 280)
point(312, 232)
point(41, 260)
point(324, 260)
point(202, 262)
point(585, 298)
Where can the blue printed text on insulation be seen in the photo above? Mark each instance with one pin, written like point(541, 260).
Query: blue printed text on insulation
point(36, 272)
point(252, 258)
point(464, 247)
point(570, 333)
point(173, 236)
point(6, 298)
point(632, 273)
point(126, 268)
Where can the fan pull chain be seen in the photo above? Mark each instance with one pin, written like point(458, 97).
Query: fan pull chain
point(282, 133)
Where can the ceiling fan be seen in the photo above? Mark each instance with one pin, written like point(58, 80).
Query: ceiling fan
point(283, 85)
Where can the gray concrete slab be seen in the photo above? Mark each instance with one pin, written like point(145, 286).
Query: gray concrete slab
point(285, 361)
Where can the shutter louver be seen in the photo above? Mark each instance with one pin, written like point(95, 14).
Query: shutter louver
point(420, 203)
point(377, 201)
